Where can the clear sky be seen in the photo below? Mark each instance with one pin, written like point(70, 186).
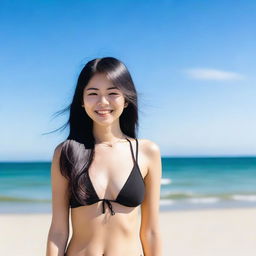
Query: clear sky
point(193, 64)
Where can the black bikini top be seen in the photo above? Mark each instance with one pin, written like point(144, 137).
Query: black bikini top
point(131, 195)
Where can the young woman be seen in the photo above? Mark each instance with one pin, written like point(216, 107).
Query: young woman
point(102, 173)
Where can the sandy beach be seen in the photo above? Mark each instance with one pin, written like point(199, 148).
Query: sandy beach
point(220, 232)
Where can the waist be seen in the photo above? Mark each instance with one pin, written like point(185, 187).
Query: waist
point(97, 247)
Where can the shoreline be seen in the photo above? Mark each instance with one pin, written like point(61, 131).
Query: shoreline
point(45, 208)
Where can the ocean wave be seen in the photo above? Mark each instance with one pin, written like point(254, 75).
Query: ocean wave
point(197, 198)
point(22, 199)
point(166, 202)
point(165, 181)
point(177, 194)
point(250, 198)
point(204, 200)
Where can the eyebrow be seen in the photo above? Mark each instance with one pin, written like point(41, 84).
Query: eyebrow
point(93, 88)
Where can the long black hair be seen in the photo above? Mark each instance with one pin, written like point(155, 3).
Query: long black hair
point(78, 149)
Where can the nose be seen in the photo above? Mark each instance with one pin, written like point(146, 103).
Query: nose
point(103, 99)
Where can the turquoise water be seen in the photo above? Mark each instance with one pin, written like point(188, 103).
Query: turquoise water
point(209, 182)
point(187, 183)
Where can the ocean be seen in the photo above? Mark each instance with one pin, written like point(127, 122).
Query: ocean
point(188, 183)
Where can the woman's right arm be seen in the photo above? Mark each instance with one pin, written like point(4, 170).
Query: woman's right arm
point(59, 229)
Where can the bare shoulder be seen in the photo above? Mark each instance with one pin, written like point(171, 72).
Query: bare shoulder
point(151, 154)
point(58, 148)
point(56, 156)
point(149, 147)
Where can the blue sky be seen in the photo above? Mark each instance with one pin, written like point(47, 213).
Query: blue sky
point(193, 64)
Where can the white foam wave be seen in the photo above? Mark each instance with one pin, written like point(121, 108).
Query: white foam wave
point(251, 198)
point(177, 192)
point(166, 181)
point(205, 200)
point(166, 202)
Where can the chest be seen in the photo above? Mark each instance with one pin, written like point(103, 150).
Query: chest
point(111, 169)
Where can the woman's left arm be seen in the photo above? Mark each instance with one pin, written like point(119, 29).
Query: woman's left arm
point(150, 234)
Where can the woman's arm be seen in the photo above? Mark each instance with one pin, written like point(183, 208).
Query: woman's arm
point(59, 229)
point(150, 231)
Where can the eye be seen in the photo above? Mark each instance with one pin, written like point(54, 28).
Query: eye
point(109, 94)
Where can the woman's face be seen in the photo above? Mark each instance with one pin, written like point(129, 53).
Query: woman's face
point(100, 94)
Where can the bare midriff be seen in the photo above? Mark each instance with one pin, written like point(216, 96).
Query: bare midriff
point(97, 234)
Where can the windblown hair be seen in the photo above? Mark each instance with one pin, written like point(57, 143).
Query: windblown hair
point(78, 149)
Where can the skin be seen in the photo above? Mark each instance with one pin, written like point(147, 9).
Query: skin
point(94, 233)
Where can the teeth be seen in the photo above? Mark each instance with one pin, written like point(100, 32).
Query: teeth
point(103, 112)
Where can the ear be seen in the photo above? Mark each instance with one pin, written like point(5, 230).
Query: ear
point(126, 104)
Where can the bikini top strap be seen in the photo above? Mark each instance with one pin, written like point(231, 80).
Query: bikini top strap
point(132, 150)
point(137, 150)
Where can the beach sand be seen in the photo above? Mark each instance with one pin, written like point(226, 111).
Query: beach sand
point(220, 232)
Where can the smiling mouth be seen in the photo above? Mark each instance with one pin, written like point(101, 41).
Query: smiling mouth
point(103, 113)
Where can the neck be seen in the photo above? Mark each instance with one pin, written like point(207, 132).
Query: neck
point(108, 133)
